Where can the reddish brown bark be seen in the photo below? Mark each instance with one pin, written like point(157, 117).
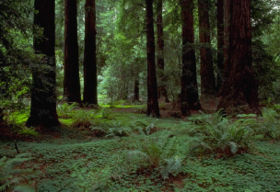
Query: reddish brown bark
point(206, 60)
point(152, 105)
point(160, 55)
point(72, 91)
point(220, 38)
point(43, 97)
point(90, 68)
point(189, 92)
point(240, 87)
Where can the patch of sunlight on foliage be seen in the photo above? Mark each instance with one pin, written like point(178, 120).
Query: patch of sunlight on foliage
point(28, 132)
point(66, 110)
point(18, 117)
point(17, 120)
point(67, 122)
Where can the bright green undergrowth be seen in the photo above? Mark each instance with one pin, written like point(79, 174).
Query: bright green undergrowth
point(103, 150)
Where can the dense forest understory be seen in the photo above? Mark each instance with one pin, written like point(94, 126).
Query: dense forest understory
point(113, 149)
point(154, 95)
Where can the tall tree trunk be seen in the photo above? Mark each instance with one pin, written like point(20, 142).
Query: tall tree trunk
point(1, 116)
point(152, 105)
point(189, 92)
point(43, 97)
point(220, 37)
point(90, 68)
point(240, 87)
point(206, 60)
point(72, 91)
point(160, 55)
point(227, 34)
point(136, 90)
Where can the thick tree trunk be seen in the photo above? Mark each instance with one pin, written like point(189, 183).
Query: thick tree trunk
point(90, 68)
point(43, 97)
point(189, 92)
point(72, 91)
point(227, 29)
point(152, 105)
point(220, 38)
point(240, 87)
point(160, 55)
point(206, 60)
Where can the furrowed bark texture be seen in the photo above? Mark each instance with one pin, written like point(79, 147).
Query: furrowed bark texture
point(189, 92)
point(206, 59)
point(240, 87)
point(152, 105)
point(43, 97)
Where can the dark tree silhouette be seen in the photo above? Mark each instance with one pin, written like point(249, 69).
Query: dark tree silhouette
point(72, 91)
point(189, 92)
point(90, 68)
point(240, 87)
point(220, 38)
point(43, 97)
point(152, 105)
point(206, 60)
point(160, 54)
point(136, 90)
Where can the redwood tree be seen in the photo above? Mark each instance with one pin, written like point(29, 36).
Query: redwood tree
point(90, 69)
point(160, 54)
point(43, 97)
point(189, 92)
point(71, 56)
point(152, 105)
point(206, 60)
point(220, 39)
point(240, 86)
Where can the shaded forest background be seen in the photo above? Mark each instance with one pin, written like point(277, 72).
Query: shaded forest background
point(121, 53)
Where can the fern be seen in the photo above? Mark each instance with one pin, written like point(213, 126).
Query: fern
point(156, 157)
point(215, 133)
point(269, 126)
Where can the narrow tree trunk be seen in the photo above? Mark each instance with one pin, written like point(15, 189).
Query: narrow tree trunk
point(152, 105)
point(136, 90)
point(220, 38)
point(43, 97)
point(240, 87)
point(1, 116)
point(160, 55)
point(90, 69)
point(189, 92)
point(72, 91)
point(206, 60)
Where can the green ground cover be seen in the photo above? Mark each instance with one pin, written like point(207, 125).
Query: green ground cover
point(104, 150)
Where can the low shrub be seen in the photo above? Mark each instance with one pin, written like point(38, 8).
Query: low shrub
point(154, 157)
point(215, 133)
point(269, 125)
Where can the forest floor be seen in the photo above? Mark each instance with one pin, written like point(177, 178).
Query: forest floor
point(113, 149)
